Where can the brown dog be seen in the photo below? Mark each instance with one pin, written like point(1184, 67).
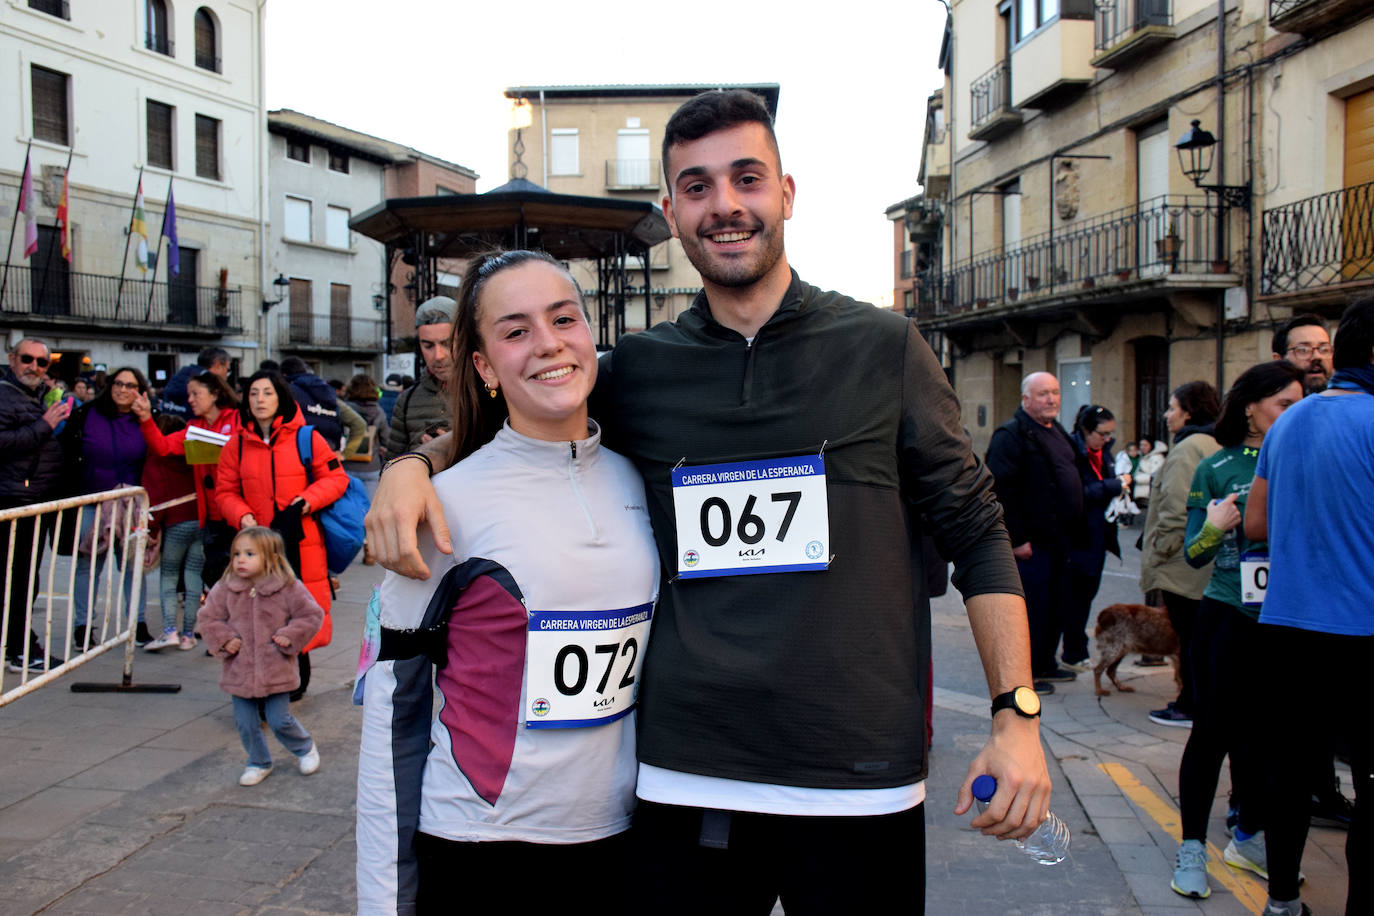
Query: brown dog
point(1126, 628)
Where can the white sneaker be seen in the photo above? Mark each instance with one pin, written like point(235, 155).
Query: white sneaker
point(253, 775)
point(167, 640)
point(187, 643)
point(310, 761)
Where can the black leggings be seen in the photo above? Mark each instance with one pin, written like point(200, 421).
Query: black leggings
point(1183, 615)
point(816, 865)
point(534, 878)
point(1323, 694)
point(1226, 672)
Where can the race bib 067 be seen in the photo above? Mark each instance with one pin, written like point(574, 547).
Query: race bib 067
point(751, 517)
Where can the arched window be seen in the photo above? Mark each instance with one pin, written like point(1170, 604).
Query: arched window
point(158, 36)
point(207, 41)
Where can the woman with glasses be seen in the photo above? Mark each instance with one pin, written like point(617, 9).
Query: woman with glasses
point(104, 449)
point(1093, 432)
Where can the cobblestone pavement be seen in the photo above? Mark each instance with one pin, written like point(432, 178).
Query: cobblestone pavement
point(128, 803)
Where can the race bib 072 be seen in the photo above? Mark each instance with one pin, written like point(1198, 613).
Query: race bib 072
point(751, 517)
point(582, 667)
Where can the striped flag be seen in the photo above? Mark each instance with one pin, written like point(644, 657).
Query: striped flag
point(26, 208)
point(169, 229)
point(139, 227)
point(64, 224)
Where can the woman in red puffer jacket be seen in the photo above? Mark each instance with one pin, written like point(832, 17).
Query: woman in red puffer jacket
point(262, 481)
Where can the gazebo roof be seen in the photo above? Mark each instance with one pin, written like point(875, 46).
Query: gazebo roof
point(519, 213)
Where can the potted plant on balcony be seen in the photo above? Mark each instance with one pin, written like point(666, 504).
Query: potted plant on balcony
point(1033, 281)
point(222, 300)
point(1013, 292)
point(1167, 248)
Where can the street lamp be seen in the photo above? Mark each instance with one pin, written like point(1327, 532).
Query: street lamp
point(1196, 149)
point(281, 285)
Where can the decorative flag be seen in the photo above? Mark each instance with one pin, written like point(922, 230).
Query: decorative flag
point(169, 229)
point(26, 208)
point(63, 223)
point(139, 227)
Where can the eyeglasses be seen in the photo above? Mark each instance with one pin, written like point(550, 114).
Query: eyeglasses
point(26, 358)
point(1302, 351)
point(127, 386)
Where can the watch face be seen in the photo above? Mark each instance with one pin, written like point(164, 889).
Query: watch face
point(1026, 700)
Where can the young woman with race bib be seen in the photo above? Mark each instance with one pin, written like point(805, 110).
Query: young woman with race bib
point(533, 630)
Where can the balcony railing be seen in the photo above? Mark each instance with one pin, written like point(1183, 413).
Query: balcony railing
point(1117, 20)
point(86, 299)
point(991, 93)
point(1321, 241)
point(908, 264)
point(159, 43)
point(330, 333)
point(1148, 241)
point(632, 174)
point(1311, 17)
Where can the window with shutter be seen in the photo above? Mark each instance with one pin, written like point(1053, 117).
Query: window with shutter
point(299, 150)
point(338, 162)
point(160, 135)
point(563, 151)
point(296, 219)
point(336, 226)
point(339, 294)
point(207, 45)
point(49, 104)
point(207, 147)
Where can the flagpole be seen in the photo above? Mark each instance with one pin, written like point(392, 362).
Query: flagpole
point(157, 255)
point(14, 224)
point(128, 237)
point(47, 262)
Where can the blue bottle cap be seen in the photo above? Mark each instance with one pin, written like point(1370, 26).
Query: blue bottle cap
point(984, 787)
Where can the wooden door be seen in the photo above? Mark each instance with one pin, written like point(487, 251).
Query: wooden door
point(1357, 219)
point(1151, 390)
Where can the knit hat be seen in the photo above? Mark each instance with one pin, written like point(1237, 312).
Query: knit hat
point(438, 310)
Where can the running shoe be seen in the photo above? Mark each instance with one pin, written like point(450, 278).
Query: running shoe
point(1044, 688)
point(310, 761)
point(1190, 870)
point(1083, 665)
point(253, 775)
point(1170, 715)
point(1332, 809)
point(1057, 674)
point(167, 640)
point(186, 643)
point(1274, 908)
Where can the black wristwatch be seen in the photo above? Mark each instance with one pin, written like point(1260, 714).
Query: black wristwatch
point(1024, 700)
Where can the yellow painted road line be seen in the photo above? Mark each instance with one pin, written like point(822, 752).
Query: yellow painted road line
point(1249, 891)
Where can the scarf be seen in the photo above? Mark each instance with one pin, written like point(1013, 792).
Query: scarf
point(1354, 378)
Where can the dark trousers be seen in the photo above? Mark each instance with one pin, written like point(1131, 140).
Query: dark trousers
point(1226, 663)
point(1084, 582)
point(26, 533)
point(1325, 698)
point(695, 861)
point(1044, 577)
point(215, 538)
point(533, 878)
point(1183, 615)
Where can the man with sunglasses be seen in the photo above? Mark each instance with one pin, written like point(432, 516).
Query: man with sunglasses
point(30, 468)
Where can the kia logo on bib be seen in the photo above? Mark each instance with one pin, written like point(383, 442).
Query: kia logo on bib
point(753, 553)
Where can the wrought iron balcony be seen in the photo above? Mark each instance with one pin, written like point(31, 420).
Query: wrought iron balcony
point(1322, 241)
point(329, 333)
point(1155, 242)
point(159, 43)
point(1125, 30)
point(632, 174)
point(1315, 17)
point(991, 112)
point(61, 297)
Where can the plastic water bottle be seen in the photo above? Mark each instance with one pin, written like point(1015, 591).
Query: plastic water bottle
point(1048, 845)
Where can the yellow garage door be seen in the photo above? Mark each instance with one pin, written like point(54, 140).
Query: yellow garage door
point(1358, 221)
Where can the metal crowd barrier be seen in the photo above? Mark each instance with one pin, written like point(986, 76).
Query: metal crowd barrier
point(121, 521)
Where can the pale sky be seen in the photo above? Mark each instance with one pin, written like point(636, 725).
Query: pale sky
point(431, 74)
